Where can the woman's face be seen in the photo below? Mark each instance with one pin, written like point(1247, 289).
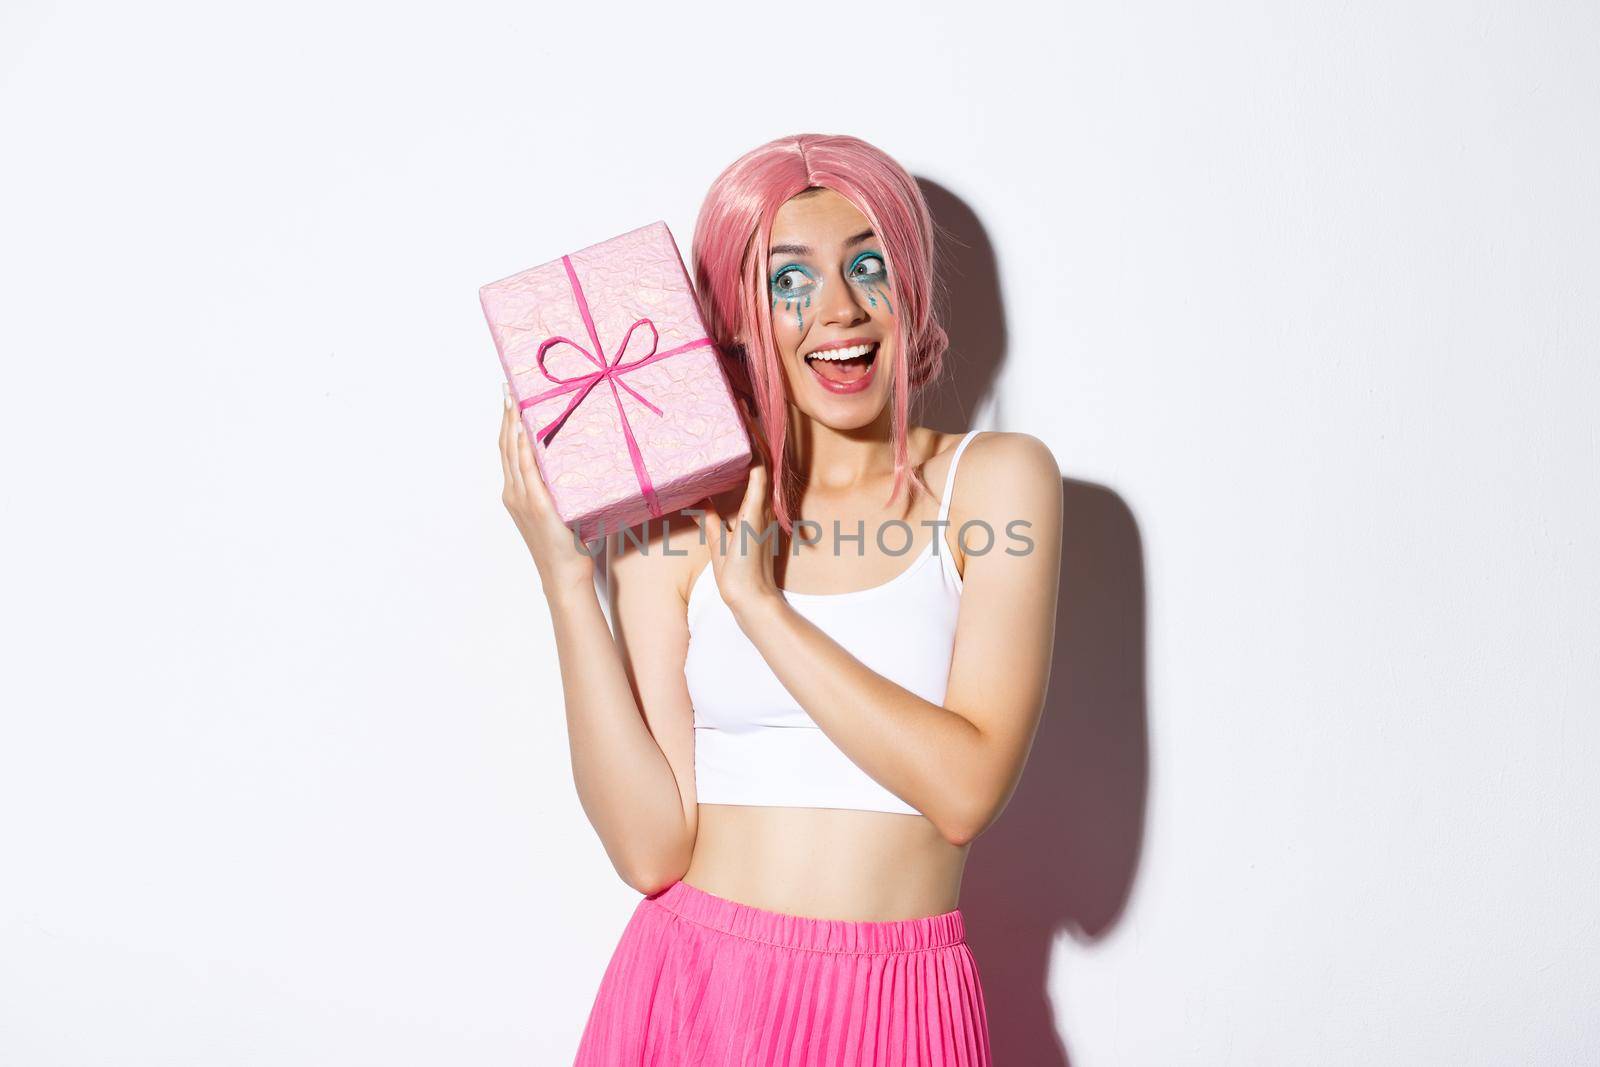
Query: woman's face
point(830, 292)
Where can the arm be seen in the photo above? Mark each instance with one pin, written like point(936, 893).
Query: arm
point(629, 719)
point(634, 770)
point(957, 764)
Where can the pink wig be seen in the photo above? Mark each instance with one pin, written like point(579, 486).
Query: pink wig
point(732, 237)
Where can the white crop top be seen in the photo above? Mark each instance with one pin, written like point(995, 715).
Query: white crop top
point(753, 743)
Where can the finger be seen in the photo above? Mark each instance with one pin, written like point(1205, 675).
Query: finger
point(754, 496)
point(760, 482)
point(532, 476)
point(505, 434)
point(764, 482)
point(518, 444)
point(712, 520)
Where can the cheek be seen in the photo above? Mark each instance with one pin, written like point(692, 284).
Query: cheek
point(787, 330)
point(879, 299)
point(790, 315)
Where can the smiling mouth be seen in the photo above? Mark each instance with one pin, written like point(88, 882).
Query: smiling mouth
point(843, 366)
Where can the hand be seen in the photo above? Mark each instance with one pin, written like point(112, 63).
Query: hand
point(744, 564)
point(562, 564)
point(742, 560)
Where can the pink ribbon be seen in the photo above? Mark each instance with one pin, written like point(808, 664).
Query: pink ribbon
point(610, 371)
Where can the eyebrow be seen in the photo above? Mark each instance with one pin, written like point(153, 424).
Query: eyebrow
point(805, 250)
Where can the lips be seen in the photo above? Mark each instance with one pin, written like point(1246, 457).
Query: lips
point(844, 368)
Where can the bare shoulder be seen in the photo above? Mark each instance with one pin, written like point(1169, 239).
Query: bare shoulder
point(1017, 460)
point(1008, 482)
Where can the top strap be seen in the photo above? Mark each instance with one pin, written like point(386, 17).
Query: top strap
point(950, 478)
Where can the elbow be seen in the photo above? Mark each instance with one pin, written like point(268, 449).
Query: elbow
point(962, 827)
point(650, 875)
point(974, 805)
point(649, 885)
point(963, 834)
point(959, 837)
point(648, 880)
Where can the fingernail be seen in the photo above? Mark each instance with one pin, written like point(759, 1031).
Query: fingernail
point(505, 391)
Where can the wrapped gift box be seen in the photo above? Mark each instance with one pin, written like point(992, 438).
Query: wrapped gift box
point(621, 392)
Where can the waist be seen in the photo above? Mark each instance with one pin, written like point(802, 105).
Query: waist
point(804, 932)
point(862, 866)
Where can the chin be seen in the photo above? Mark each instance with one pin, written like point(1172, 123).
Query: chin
point(857, 414)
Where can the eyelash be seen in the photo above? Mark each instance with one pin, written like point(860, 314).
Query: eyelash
point(875, 276)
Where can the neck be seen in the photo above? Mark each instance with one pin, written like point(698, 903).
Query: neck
point(831, 459)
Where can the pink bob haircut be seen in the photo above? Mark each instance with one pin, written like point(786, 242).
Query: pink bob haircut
point(731, 240)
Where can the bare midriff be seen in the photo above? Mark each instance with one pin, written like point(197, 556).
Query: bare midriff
point(830, 863)
point(826, 863)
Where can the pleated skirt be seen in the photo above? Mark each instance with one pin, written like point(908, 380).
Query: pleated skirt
point(698, 980)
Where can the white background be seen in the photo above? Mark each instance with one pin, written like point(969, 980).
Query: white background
point(1302, 296)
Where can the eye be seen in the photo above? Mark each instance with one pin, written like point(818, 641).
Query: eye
point(791, 279)
point(869, 266)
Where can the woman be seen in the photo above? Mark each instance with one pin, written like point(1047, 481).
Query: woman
point(789, 744)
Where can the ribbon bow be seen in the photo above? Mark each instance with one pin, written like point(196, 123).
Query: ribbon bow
point(609, 370)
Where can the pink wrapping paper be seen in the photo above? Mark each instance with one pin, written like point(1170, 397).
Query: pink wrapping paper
point(688, 438)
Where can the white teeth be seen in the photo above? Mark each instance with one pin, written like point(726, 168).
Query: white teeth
point(835, 354)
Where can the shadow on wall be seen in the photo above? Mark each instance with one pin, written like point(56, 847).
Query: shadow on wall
point(1064, 854)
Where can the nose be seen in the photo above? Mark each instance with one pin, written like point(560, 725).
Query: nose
point(841, 304)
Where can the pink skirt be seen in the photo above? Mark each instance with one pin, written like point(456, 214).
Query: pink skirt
point(698, 980)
